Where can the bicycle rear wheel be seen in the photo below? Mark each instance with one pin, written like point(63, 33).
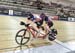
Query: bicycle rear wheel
point(22, 37)
point(52, 34)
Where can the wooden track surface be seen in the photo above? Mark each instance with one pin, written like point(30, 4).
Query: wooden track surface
point(9, 25)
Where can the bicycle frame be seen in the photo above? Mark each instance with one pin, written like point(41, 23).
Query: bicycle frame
point(35, 33)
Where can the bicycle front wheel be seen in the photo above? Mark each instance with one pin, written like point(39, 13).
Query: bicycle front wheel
point(22, 37)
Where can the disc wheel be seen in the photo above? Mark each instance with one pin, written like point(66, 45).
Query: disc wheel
point(22, 37)
point(51, 37)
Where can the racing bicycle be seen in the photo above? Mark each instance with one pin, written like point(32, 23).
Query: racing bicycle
point(23, 36)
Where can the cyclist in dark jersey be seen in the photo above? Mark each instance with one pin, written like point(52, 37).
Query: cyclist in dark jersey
point(46, 19)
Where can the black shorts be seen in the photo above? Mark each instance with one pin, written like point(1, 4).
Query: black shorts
point(50, 24)
point(39, 23)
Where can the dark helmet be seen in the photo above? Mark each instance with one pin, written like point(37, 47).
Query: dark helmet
point(29, 15)
point(43, 14)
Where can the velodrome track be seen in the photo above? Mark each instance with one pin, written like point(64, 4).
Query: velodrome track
point(9, 25)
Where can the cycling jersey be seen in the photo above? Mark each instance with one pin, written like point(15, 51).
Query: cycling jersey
point(47, 20)
point(34, 16)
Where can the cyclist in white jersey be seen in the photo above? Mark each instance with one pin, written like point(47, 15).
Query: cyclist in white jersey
point(35, 18)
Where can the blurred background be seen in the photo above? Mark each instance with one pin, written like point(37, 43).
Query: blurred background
point(62, 12)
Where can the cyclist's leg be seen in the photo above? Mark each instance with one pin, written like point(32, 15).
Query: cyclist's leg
point(40, 27)
point(39, 23)
point(48, 26)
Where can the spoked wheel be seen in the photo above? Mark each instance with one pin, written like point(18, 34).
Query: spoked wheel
point(22, 37)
